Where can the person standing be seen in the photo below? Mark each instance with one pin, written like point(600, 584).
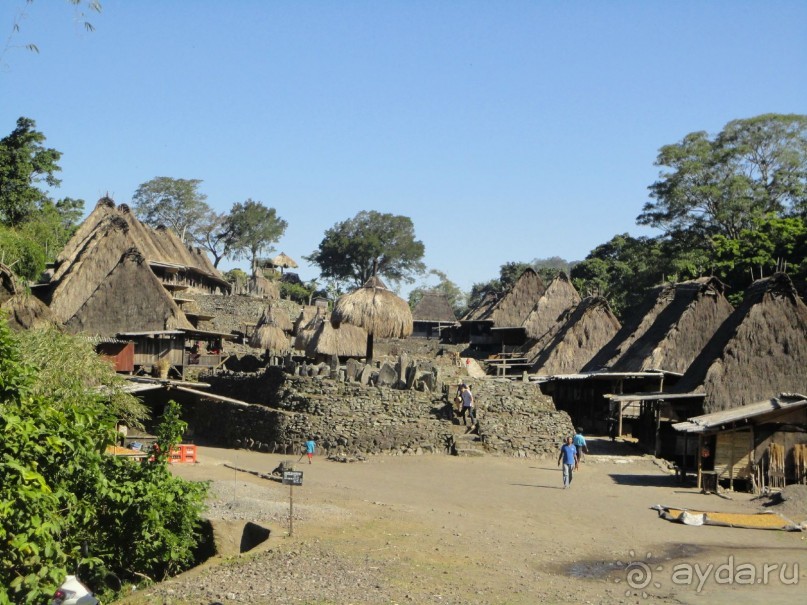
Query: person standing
point(568, 455)
point(467, 404)
point(310, 446)
point(580, 444)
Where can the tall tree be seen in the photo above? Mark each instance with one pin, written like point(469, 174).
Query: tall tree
point(174, 203)
point(251, 229)
point(371, 243)
point(25, 164)
point(212, 235)
point(724, 184)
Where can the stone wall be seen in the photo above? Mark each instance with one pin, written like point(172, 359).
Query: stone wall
point(515, 419)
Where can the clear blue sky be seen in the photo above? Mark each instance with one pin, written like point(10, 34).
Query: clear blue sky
point(507, 131)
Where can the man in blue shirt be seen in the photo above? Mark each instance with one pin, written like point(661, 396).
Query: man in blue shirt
point(580, 443)
point(568, 454)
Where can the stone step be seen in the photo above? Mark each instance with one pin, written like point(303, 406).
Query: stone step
point(469, 452)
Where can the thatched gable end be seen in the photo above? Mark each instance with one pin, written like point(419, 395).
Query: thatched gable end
point(514, 307)
point(587, 328)
point(760, 349)
point(22, 310)
point(434, 306)
point(677, 322)
point(130, 298)
point(559, 297)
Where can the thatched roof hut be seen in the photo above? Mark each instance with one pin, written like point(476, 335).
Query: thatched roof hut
point(344, 341)
point(434, 307)
point(484, 309)
point(512, 308)
point(376, 309)
point(164, 252)
point(587, 327)
point(675, 323)
point(271, 331)
point(284, 261)
point(22, 310)
point(307, 313)
point(759, 350)
point(557, 299)
point(128, 298)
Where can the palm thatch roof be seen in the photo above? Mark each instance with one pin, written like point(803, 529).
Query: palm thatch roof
point(307, 313)
point(434, 306)
point(559, 297)
point(127, 297)
point(511, 309)
point(376, 309)
point(674, 324)
point(344, 341)
point(284, 261)
point(760, 349)
point(22, 310)
point(271, 331)
point(587, 327)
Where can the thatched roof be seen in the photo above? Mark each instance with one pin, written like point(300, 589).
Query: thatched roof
point(22, 310)
point(434, 306)
point(761, 349)
point(558, 298)
point(307, 313)
point(127, 298)
point(511, 309)
point(271, 331)
point(158, 246)
point(344, 341)
point(376, 309)
point(270, 338)
point(585, 330)
point(483, 310)
point(284, 261)
point(674, 324)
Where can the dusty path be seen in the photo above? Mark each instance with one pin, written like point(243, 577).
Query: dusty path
point(440, 529)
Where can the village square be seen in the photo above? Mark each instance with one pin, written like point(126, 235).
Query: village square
point(401, 303)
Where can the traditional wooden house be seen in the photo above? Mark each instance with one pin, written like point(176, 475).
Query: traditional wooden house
point(497, 322)
point(559, 297)
point(671, 329)
point(650, 352)
point(760, 348)
point(118, 278)
point(763, 443)
point(432, 315)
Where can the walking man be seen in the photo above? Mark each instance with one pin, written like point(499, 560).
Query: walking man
point(467, 404)
point(568, 454)
point(580, 443)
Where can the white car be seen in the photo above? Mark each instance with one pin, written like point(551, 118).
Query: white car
point(73, 592)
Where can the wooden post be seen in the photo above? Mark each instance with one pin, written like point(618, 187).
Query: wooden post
point(700, 458)
point(291, 510)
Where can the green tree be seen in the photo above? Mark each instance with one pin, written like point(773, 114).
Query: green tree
point(174, 203)
point(371, 243)
point(25, 164)
point(724, 184)
point(252, 228)
point(212, 235)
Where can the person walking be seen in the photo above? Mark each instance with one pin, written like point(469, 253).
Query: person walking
point(580, 444)
point(310, 446)
point(568, 455)
point(467, 404)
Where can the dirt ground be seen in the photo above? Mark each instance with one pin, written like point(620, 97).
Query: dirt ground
point(442, 529)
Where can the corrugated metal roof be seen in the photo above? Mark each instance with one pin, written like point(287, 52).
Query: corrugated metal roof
point(702, 424)
point(654, 396)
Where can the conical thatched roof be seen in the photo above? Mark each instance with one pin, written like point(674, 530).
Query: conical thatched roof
point(284, 261)
point(270, 338)
point(484, 309)
point(558, 298)
point(307, 313)
point(587, 328)
point(376, 309)
point(760, 349)
point(434, 306)
point(22, 310)
point(305, 331)
point(271, 331)
point(674, 324)
point(127, 298)
point(344, 341)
